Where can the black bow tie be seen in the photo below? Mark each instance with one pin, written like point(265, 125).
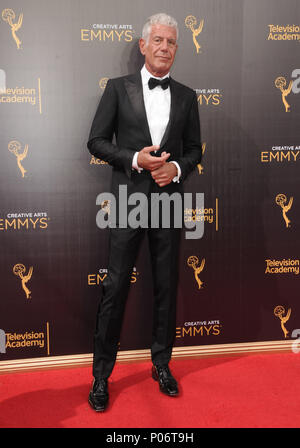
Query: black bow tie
point(164, 83)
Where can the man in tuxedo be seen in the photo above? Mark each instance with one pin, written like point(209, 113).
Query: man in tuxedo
point(156, 124)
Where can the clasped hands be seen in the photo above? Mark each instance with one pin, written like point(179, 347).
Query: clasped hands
point(162, 171)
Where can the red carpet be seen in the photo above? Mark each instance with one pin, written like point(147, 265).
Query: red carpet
point(261, 391)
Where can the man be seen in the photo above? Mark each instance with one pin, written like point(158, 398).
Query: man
point(156, 124)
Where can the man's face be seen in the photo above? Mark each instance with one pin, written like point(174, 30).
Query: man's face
point(161, 49)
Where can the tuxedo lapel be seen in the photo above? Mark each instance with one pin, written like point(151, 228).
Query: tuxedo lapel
point(175, 107)
point(134, 88)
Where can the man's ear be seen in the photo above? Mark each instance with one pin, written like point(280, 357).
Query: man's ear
point(142, 45)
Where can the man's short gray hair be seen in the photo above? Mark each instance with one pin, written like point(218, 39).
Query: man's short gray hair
point(158, 19)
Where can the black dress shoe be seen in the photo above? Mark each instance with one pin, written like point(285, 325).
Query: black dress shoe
point(166, 381)
point(98, 397)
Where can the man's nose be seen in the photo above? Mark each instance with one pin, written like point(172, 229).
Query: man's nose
point(164, 45)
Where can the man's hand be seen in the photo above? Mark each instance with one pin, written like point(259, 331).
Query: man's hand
point(165, 174)
point(148, 162)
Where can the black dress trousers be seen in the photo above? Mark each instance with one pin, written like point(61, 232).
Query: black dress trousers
point(124, 244)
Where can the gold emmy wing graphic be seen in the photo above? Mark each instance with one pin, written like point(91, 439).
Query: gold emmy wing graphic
point(281, 200)
point(279, 312)
point(190, 22)
point(8, 15)
point(19, 270)
point(193, 262)
point(199, 166)
point(15, 148)
point(280, 83)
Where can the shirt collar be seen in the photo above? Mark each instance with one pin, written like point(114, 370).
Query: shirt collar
point(146, 75)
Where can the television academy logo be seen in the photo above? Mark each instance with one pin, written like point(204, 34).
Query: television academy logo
point(282, 267)
point(208, 215)
point(20, 94)
point(95, 161)
point(191, 22)
point(279, 312)
point(284, 32)
point(287, 87)
point(29, 339)
point(8, 15)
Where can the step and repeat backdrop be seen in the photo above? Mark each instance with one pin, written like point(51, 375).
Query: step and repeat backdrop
point(240, 281)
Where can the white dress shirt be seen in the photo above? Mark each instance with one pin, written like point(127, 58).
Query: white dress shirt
point(157, 104)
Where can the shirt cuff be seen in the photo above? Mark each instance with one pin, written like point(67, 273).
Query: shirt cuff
point(176, 178)
point(135, 164)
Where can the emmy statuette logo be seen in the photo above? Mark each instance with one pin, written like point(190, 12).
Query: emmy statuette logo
point(200, 166)
point(281, 200)
point(8, 15)
point(19, 270)
point(193, 262)
point(191, 22)
point(279, 312)
point(15, 148)
point(280, 83)
point(105, 206)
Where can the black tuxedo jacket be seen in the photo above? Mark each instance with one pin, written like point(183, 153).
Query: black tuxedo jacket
point(121, 111)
